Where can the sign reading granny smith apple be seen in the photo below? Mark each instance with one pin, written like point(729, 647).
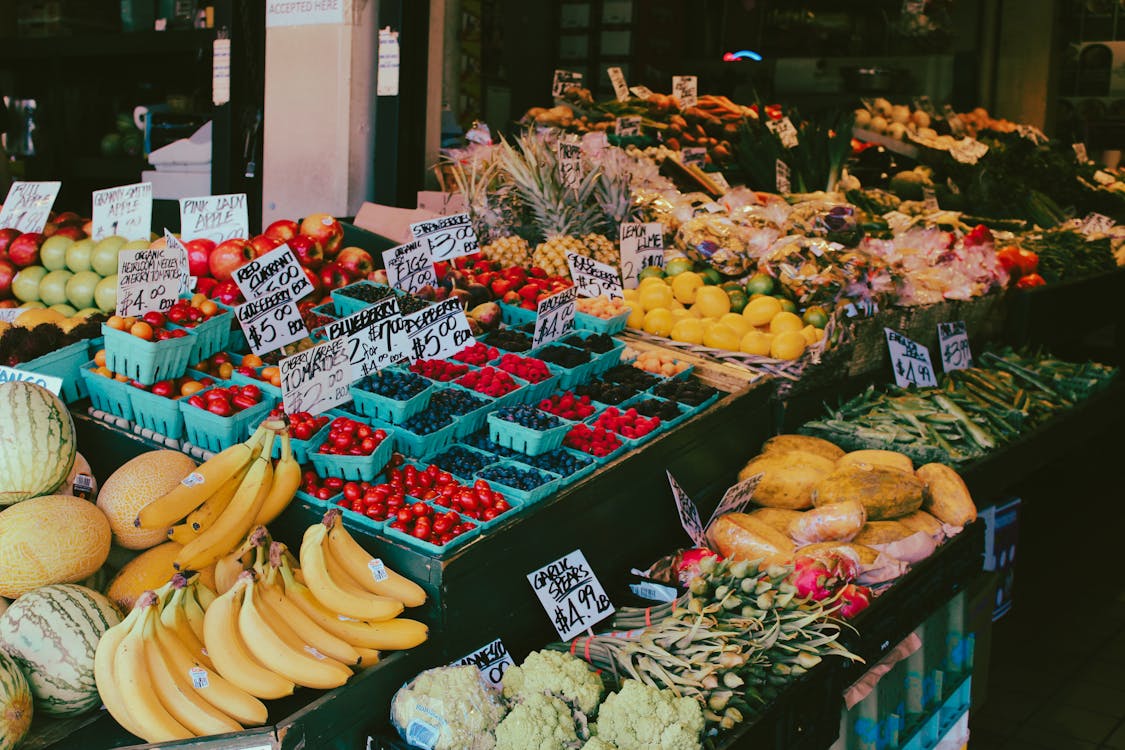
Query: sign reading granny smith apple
point(124, 211)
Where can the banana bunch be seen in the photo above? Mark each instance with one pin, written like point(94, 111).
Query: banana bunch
point(155, 678)
point(215, 506)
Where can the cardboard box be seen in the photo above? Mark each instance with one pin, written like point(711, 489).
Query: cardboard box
point(442, 203)
point(175, 185)
point(390, 222)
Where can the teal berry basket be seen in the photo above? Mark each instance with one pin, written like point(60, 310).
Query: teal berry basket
point(527, 497)
point(107, 394)
point(146, 361)
point(157, 413)
point(386, 409)
point(610, 326)
point(216, 433)
point(64, 363)
point(581, 464)
point(514, 315)
point(569, 377)
point(525, 440)
point(515, 507)
point(209, 337)
point(600, 361)
point(433, 550)
point(532, 391)
point(345, 303)
point(441, 459)
point(356, 468)
point(414, 445)
point(665, 424)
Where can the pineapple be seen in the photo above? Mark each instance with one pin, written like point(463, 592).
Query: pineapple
point(512, 250)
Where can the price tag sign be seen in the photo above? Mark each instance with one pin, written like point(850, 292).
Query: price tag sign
point(438, 331)
point(149, 280)
point(955, 125)
point(447, 238)
point(123, 211)
point(620, 88)
point(28, 205)
point(784, 131)
point(1095, 224)
point(273, 272)
point(736, 498)
point(271, 322)
point(781, 176)
point(492, 661)
point(376, 337)
point(718, 179)
point(929, 199)
point(570, 162)
point(570, 594)
point(689, 514)
point(216, 217)
point(564, 79)
point(9, 314)
point(12, 375)
point(187, 281)
point(641, 92)
point(861, 308)
point(593, 279)
point(639, 243)
point(1032, 133)
point(954, 342)
point(1080, 156)
point(695, 155)
point(316, 379)
point(968, 150)
point(627, 127)
point(910, 361)
point(554, 316)
point(410, 267)
point(686, 89)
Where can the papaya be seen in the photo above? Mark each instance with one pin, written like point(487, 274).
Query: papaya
point(875, 533)
point(778, 518)
point(920, 520)
point(806, 443)
point(740, 536)
point(893, 459)
point(838, 522)
point(885, 492)
point(866, 555)
point(788, 478)
point(946, 496)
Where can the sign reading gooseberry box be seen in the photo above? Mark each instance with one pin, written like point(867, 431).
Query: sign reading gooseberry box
point(594, 279)
point(271, 322)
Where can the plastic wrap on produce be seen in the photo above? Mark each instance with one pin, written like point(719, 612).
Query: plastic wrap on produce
point(834, 220)
point(717, 240)
point(815, 271)
point(448, 708)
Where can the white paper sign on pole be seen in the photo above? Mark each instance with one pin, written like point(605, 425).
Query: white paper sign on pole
point(271, 322)
point(686, 89)
point(554, 316)
point(216, 217)
point(13, 374)
point(570, 594)
point(636, 241)
point(620, 88)
point(273, 272)
point(409, 266)
point(386, 83)
point(28, 205)
point(289, 13)
point(448, 237)
point(438, 331)
point(316, 379)
point(954, 342)
point(492, 661)
point(149, 280)
point(124, 211)
point(910, 361)
point(594, 279)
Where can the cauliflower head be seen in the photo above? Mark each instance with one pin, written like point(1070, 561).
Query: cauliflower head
point(556, 673)
point(597, 743)
point(642, 717)
point(538, 721)
point(454, 704)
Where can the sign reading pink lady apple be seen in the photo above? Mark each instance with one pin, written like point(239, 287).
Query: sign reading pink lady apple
point(124, 211)
point(215, 217)
point(410, 267)
point(28, 205)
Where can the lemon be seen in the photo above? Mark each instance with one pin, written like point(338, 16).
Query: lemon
point(629, 294)
point(681, 313)
point(756, 342)
point(655, 297)
point(684, 286)
point(659, 322)
point(648, 281)
point(788, 345)
point(815, 316)
point(688, 330)
point(712, 301)
point(676, 305)
point(736, 323)
point(760, 310)
point(720, 336)
point(809, 332)
point(636, 315)
point(785, 321)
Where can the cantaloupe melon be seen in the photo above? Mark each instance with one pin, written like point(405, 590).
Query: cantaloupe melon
point(50, 539)
point(135, 485)
point(36, 441)
point(81, 466)
point(15, 703)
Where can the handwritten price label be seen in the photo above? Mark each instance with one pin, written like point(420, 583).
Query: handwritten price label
point(593, 279)
point(695, 156)
point(688, 512)
point(686, 89)
point(569, 154)
point(784, 131)
point(1096, 223)
point(376, 337)
point(620, 88)
point(447, 238)
point(275, 271)
point(929, 199)
point(410, 267)
point(438, 331)
point(123, 211)
point(492, 661)
point(626, 127)
point(570, 594)
point(954, 341)
point(271, 322)
point(217, 217)
point(316, 379)
point(554, 316)
point(910, 361)
point(781, 177)
point(736, 498)
point(565, 79)
point(638, 242)
point(28, 205)
point(12, 374)
point(641, 92)
point(149, 280)
point(968, 150)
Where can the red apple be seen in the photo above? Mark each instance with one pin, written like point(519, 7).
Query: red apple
point(73, 231)
point(205, 285)
point(282, 230)
point(314, 279)
point(68, 217)
point(50, 228)
point(227, 292)
point(308, 251)
point(333, 277)
point(6, 304)
point(24, 250)
point(262, 244)
point(228, 256)
point(198, 252)
point(326, 231)
point(6, 237)
point(7, 273)
point(356, 262)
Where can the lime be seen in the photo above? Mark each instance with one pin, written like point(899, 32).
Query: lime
point(760, 283)
point(815, 316)
point(677, 266)
point(738, 300)
point(652, 272)
point(787, 305)
point(711, 277)
point(731, 286)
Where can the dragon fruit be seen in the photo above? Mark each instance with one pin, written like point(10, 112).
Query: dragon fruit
point(854, 599)
point(819, 577)
point(687, 563)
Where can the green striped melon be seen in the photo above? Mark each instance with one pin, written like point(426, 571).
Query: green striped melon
point(37, 443)
point(15, 703)
point(51, 539)
point(52, 634)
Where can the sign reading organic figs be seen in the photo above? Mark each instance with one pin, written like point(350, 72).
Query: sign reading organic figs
point(124, 211)
point(28, 205)
point(215, 217)
point(410, 266)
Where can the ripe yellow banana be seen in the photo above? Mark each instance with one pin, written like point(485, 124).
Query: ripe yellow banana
point(203, 594)
point(104, 672)
point(229, 652)
point(228, 567)
point(277, 608)
point(397, 634)
point(230, 527)
point(275, 643)
point(197, 486)
point(286, 482)
point(193, 612)
point(369, 656)
point(152, 720)
point(368, 572)
point(181, 533)
point(205, 515)
point(218, 691)
point(342, 597)
point(175, 692)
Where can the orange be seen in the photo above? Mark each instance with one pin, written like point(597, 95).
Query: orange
point(116, 322)
point(99, 358)
point(251, 360)
point(141, 330)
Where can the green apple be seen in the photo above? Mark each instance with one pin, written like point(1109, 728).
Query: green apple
point(80, 288)
point(33, 304)
point(105, 294)
point(52, 287)
point(103, 259)
point(53, 252)
point(86, 312)
point(26, 283)
point(64, 309)
point(136, 245)
point(79, 254)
